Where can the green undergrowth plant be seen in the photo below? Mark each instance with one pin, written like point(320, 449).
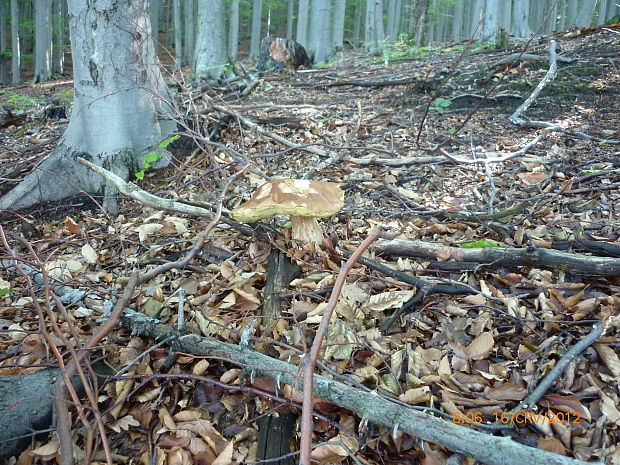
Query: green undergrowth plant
point(440, 104)
point(152, 157)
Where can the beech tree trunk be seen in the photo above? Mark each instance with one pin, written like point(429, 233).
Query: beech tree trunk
point(233, 30)
point(4, 62)
point(43, 40)
point(15, 52)
point(302, 23)
point(320, 43)
point(211, 53)
point(256, 23)
point(190, 27)
point(121, 109)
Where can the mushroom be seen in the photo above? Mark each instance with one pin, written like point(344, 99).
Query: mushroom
point(303, 200)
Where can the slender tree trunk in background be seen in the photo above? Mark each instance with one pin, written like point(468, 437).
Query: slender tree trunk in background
point(121, 105)
point(571, 9)
point(551, 24)
point(58, 31)
point(506, 15)
point(491, 20)
point(584, 16)
point(43, 40)
point(178, 34)
point(602, 11)
point(457, 21)
point(520, 18)
point(15, 51)
point(357, 24)
point(320, 27)
point(257, 6)
point(233, 31)
point(391, 21)
point(338, 25)
point(4, 60)
point(211, 51)
point(379, 28)
point(190, 27)
point(398, 19)
point(302, 23)
point(417, 25)
point(154, 15)
point(561, 24)
point(370, 33)
point(290, 13)
point(477, 12)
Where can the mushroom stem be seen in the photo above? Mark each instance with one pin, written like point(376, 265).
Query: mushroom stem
point(307, 229)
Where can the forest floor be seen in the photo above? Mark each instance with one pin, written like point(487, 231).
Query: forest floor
point(416, 149)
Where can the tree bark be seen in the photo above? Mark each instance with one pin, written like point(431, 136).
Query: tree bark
point(211, 53)
point(233, 31)
point(121, 105)
point(338, 25)
point(190, 27)
point(320, 31)
point(504, 256)
point(290, 9)
point(256, 26)
point(15, 51)
point(43, 40)
point(302, 23)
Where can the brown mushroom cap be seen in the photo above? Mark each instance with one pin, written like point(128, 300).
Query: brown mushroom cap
point(293, 197)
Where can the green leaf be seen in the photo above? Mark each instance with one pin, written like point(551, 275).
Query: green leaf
point(288, 224)
point(151, 157)
point(451, 131)
point(166, 142)
point(479, 244)
point(140, 175)
point(4, 291)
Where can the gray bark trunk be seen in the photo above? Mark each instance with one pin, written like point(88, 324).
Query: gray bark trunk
point(190, 27)
point(4, 61)
point(290, 11)
point(211, 54)
point(15, 51)
point(602, 11)
point(43, 40)
point(256, 23)
point(584, 16)
point(178, 33)
point(520, 18)
point(320, 30)
point(457, 22)
point(58, 31)
point(233, 31)
point(391, 21)
point(302, 23)
point(154, 14)
point(338, 25)
point(121, 105)
point(491, 19)
point(477, 10)
point(571, 9)
point(357, 25)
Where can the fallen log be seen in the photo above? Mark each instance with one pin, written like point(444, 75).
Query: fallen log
point(503, 256)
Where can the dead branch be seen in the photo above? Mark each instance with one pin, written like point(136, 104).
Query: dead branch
point(311, 358)
point(504, 256)
point(129, 189)
point(379, 410)
point(518, 57)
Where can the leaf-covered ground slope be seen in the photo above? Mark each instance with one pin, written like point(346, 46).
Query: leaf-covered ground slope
point(417, 147)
